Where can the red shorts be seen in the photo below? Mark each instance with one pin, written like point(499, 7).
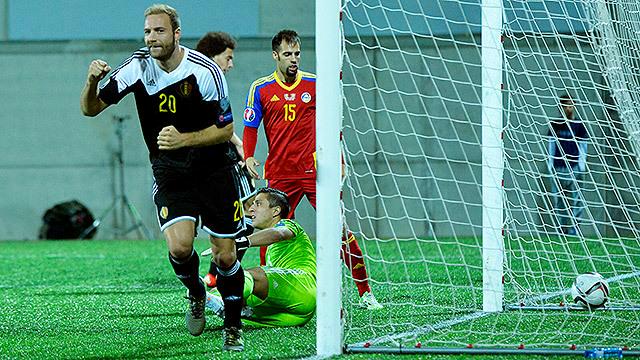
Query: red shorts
point(295, 190)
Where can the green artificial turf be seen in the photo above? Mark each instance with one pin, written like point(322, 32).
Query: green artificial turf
point(108, 299)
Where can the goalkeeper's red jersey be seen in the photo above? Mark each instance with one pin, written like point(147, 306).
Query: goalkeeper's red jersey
point(288, 112)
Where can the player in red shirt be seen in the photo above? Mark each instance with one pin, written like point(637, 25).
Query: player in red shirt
point(285, 102)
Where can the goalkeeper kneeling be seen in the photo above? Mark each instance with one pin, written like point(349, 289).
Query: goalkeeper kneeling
point(283, 292)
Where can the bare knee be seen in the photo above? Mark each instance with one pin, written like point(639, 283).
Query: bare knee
point(223, 252)
point(179, 237)
point(181, 252)
point(224, 259)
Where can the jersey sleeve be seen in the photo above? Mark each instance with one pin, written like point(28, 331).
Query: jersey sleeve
point(295, 228)
point(121, 81)
point(215, 93)
point(253, 109)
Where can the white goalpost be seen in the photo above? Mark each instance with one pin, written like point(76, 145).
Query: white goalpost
point(328, 43)
point(446, 110)
point(492, 149)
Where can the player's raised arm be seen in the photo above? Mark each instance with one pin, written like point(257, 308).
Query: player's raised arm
point(90, 103)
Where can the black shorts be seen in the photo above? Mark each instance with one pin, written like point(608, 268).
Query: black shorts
point(211, 196)
point(246, 184)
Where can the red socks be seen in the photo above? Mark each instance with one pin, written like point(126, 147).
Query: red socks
point(353, 258)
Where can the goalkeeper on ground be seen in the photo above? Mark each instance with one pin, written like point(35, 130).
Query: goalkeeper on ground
point(283, 292)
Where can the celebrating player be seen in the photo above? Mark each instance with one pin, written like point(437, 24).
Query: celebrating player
point(186, 120)
point(285, 102)
point(219, 47)
point(282, 293)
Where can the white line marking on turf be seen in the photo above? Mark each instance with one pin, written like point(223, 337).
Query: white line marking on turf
point(93, 287)
point(448, 323)
point(548, 296)
point(426, 329)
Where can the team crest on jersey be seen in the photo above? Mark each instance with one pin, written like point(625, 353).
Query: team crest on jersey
point(164, 212)
point(289, 97)
point(249, 114)
point(185, 88)
point(306, 97)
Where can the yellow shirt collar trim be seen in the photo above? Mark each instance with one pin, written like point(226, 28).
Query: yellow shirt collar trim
point(293, 86)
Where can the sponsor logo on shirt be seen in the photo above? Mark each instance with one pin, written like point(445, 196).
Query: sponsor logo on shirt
point(306, 97)
point(275, 98)
point(249, 114)
point(151, 82)
point(289, 97)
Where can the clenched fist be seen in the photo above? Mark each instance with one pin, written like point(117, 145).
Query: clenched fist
point(98, 69)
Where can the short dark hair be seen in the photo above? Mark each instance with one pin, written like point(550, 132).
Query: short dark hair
point(214, 43)
point(276, 198)
point(289, 36)
point(565, 99)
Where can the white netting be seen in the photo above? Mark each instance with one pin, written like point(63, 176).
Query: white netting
point(412, 88)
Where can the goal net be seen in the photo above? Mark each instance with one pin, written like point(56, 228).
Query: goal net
point(415, 143)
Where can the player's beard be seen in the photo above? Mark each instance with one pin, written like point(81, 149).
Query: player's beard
point(292, 73)
point(166, 52)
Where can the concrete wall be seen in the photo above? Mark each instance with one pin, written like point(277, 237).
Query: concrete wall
point(425, 106)
point(52, 153)
point(413, 134)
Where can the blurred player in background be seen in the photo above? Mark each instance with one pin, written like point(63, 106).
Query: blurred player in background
point(186, 120)
point(285, 102)
point(219, 47)
point(567, 165)
point(282, 293)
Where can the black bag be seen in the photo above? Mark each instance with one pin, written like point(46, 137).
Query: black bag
point(67, 220)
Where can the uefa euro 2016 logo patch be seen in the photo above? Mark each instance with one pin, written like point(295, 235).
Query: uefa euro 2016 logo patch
point(306, 97)
point(249, 114)
point(164, 212)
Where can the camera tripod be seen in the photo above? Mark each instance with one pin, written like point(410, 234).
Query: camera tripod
point(121, 206)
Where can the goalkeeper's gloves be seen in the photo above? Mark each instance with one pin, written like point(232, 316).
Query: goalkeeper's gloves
point(242, 243)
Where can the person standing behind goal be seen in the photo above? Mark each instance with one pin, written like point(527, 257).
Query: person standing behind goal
point(219, 47)
point(567, 164)
point(186, 121)
point(285, 102)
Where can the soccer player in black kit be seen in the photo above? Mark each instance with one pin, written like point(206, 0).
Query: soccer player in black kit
point(186, 121)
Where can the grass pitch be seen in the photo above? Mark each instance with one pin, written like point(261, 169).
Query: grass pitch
point(106, 299)
point(113, 300)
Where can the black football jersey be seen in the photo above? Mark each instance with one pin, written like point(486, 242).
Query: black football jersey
point(192, 97)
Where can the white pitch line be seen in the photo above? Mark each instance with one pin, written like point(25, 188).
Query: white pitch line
point(448, 323)
point(426, 329)
point(610, 280)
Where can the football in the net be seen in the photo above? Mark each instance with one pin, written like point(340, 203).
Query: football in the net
point(590, 290)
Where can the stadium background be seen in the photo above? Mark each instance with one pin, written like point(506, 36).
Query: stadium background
point(51, 153)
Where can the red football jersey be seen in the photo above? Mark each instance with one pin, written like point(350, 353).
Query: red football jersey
point(288, 112)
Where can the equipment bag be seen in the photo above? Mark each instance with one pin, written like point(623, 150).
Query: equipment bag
point(67, 220)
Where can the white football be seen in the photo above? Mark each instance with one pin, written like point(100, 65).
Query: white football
point(590, 290)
